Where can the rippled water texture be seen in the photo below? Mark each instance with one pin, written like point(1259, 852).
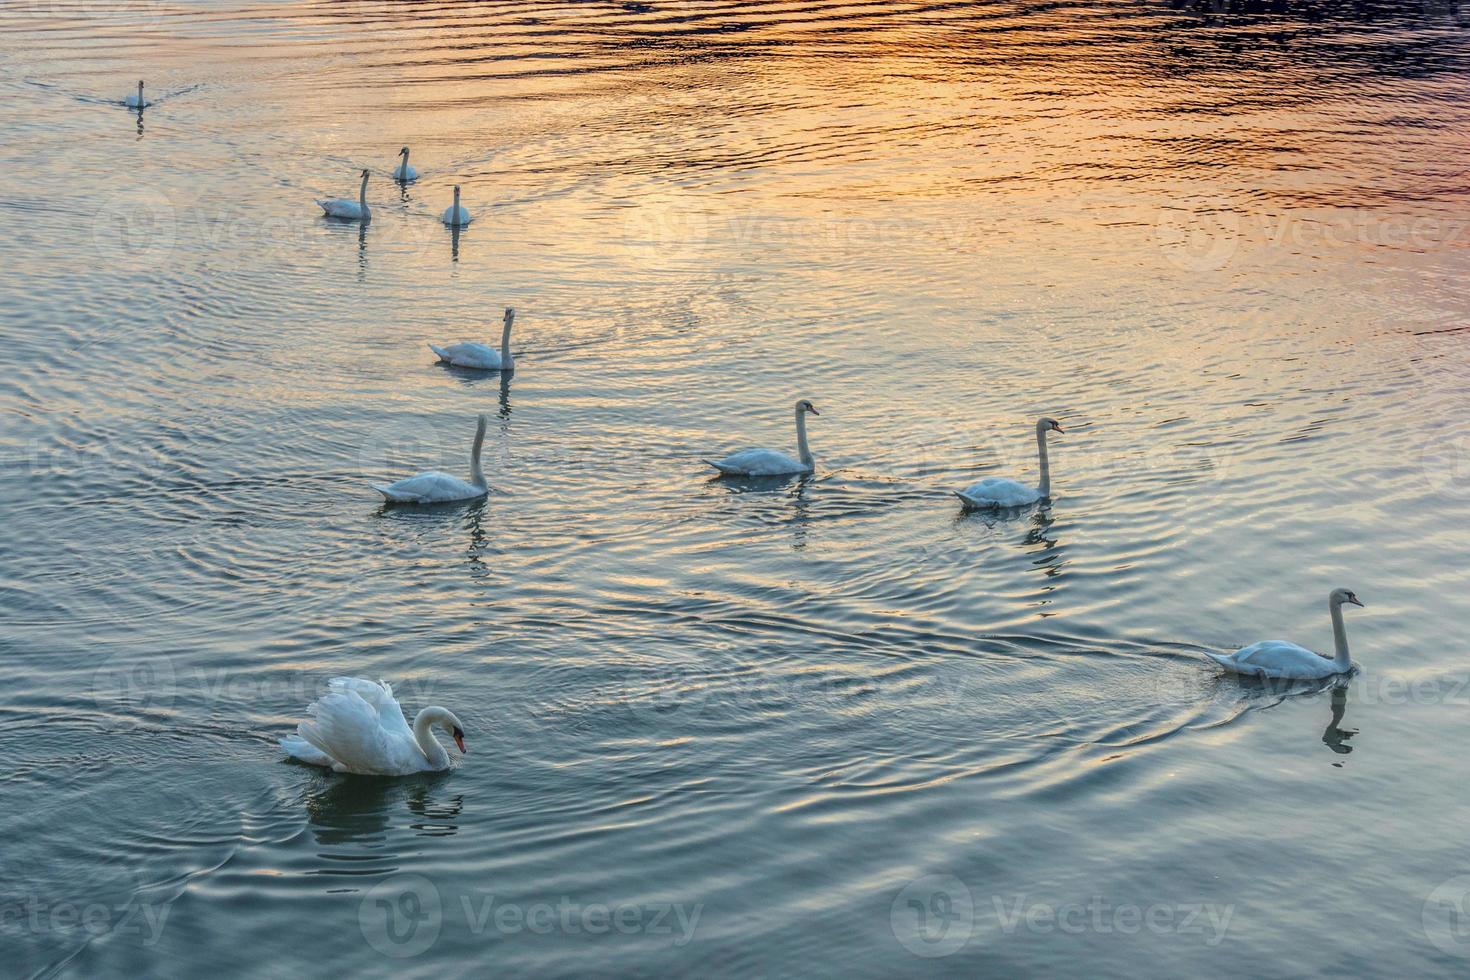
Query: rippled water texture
point(827, 727)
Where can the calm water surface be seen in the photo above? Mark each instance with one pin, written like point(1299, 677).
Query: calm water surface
point(830, 727)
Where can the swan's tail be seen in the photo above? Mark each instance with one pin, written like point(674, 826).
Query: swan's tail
point(1223, 659)
point(301, 750)
point(443, 354)
point(389, 494)
point(727, 470)
point(971, 502)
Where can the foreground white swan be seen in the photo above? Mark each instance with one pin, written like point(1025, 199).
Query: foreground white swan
point(997, 491)
point(340, 207)
point(136, 101)
point(358, 727)
point(1287, 661)
point(769, 462)
point(455, 214)
point(469, 354)
point(403, 171)
point(433, 487)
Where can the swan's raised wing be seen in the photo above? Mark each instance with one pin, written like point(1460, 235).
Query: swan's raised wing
point(346, 728)
point(380, 696)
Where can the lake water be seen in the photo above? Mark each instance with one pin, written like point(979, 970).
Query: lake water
point(827, 727)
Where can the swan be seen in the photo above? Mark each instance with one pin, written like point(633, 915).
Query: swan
point(433, 487)
point(403, 171)
point(1287, 661)
point(456, 215)
point(357, 210)
point(769, 462)
point(358, 727)
point(136, 101)
point(997, 491)
point(469, 354)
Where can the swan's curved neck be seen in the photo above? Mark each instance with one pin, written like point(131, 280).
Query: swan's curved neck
point(1045, 487)
point(404, 170)
point(456, 204)
point(1339, 636)
point(510, 316)
point(801, 447)
point(362, 196)
point(140, 95)
point(423, 724)
point(477, 475)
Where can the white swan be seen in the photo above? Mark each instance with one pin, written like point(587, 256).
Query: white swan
point(769, 462)
point(997, 491)
point(433, 487)
point(357, 210)
point(1287, 661)
point(136, 101)
point(403, 171)
point(358, 727)
point(469, 354)
point(456, 215)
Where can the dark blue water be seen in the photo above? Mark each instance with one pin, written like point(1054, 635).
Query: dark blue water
point(822, 727)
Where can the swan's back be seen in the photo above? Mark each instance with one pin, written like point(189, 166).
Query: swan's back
point(997, 491)
point(469, 354)
point(428, 488)
point(759, 462)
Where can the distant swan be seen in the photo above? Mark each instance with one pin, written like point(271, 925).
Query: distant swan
point(769, 462)
point(1287, 661)
point(997, 491)
point(433, 487)
point(403, 171)
point(469, 354)
point(357, 210)
point(358, 727)
point(136, 101)
point(456, 215)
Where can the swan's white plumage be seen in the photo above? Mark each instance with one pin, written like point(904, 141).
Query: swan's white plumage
point(434, 487)
point(769, 462)
point(429, 487)
point(469, 354)
point(340, 207)
point(1279, 659)
point(358, 727)
point(1282, 660)
point(759, 462)
point(998, 491)
point(456, 214)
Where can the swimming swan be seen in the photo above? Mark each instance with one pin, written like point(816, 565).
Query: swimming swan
point(469, 354)
point(1287, 661)
point(997, 491)
point(403, 171)
point(769, 462)
point(136, 101)
point(456, 215)
point(433, 487)
point(358, 727)
point(356, 210)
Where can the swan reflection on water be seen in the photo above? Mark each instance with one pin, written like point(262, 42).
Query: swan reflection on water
point(354, 808)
